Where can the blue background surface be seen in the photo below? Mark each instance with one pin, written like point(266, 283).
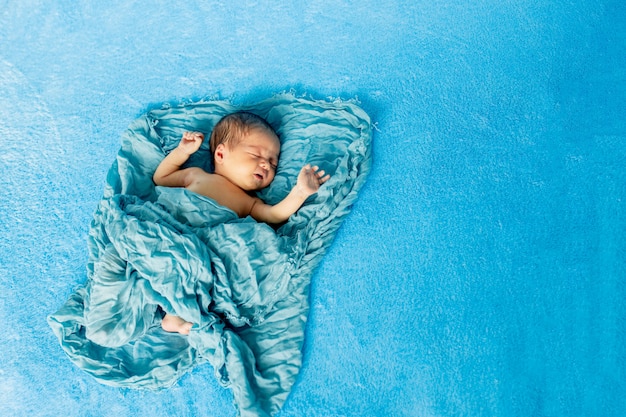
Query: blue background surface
point(482, 271)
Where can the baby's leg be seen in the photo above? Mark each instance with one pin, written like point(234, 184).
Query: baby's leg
point(175, 324)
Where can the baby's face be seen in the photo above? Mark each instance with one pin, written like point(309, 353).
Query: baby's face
point(252, 163)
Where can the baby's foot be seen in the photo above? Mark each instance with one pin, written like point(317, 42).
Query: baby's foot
point(175, 324)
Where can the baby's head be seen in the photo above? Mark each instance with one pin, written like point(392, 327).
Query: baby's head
point(232, 128)
point(245, 149)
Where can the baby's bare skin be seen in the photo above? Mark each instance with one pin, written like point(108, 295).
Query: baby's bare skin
point(248, 166)
point(175, 324)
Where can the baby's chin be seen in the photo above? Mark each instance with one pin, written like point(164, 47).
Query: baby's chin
point(259, 188)
point(254, 187)
point(258, 185)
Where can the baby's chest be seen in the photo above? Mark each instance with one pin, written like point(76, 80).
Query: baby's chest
point(226, 195)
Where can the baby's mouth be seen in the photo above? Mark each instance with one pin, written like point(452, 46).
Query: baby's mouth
point(258, 177)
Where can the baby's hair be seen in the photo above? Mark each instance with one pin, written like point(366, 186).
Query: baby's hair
point(234, 127)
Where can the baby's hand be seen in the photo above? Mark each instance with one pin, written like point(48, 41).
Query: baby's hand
point(310, 179)
point(191, 142)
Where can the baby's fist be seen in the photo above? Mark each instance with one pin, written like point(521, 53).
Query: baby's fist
point(191, 142)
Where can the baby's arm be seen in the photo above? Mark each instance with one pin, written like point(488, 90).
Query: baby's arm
point(309, 181)
point(168, 173)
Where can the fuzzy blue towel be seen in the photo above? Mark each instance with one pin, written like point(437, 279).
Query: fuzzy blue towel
point(243, 284)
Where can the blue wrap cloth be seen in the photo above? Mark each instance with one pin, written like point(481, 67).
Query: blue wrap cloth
point(243, 284)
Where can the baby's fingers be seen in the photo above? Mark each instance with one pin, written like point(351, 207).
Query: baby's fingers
point(320, 175)
point(193, 135)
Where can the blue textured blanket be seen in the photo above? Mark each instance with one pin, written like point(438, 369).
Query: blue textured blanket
point(243, 284)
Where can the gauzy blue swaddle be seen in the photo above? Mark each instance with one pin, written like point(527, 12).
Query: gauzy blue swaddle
point(243, 284)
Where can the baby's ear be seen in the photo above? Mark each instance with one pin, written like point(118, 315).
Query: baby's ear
point(218, 155)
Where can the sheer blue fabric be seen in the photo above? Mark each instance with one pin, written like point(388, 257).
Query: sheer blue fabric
point(243, 284)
